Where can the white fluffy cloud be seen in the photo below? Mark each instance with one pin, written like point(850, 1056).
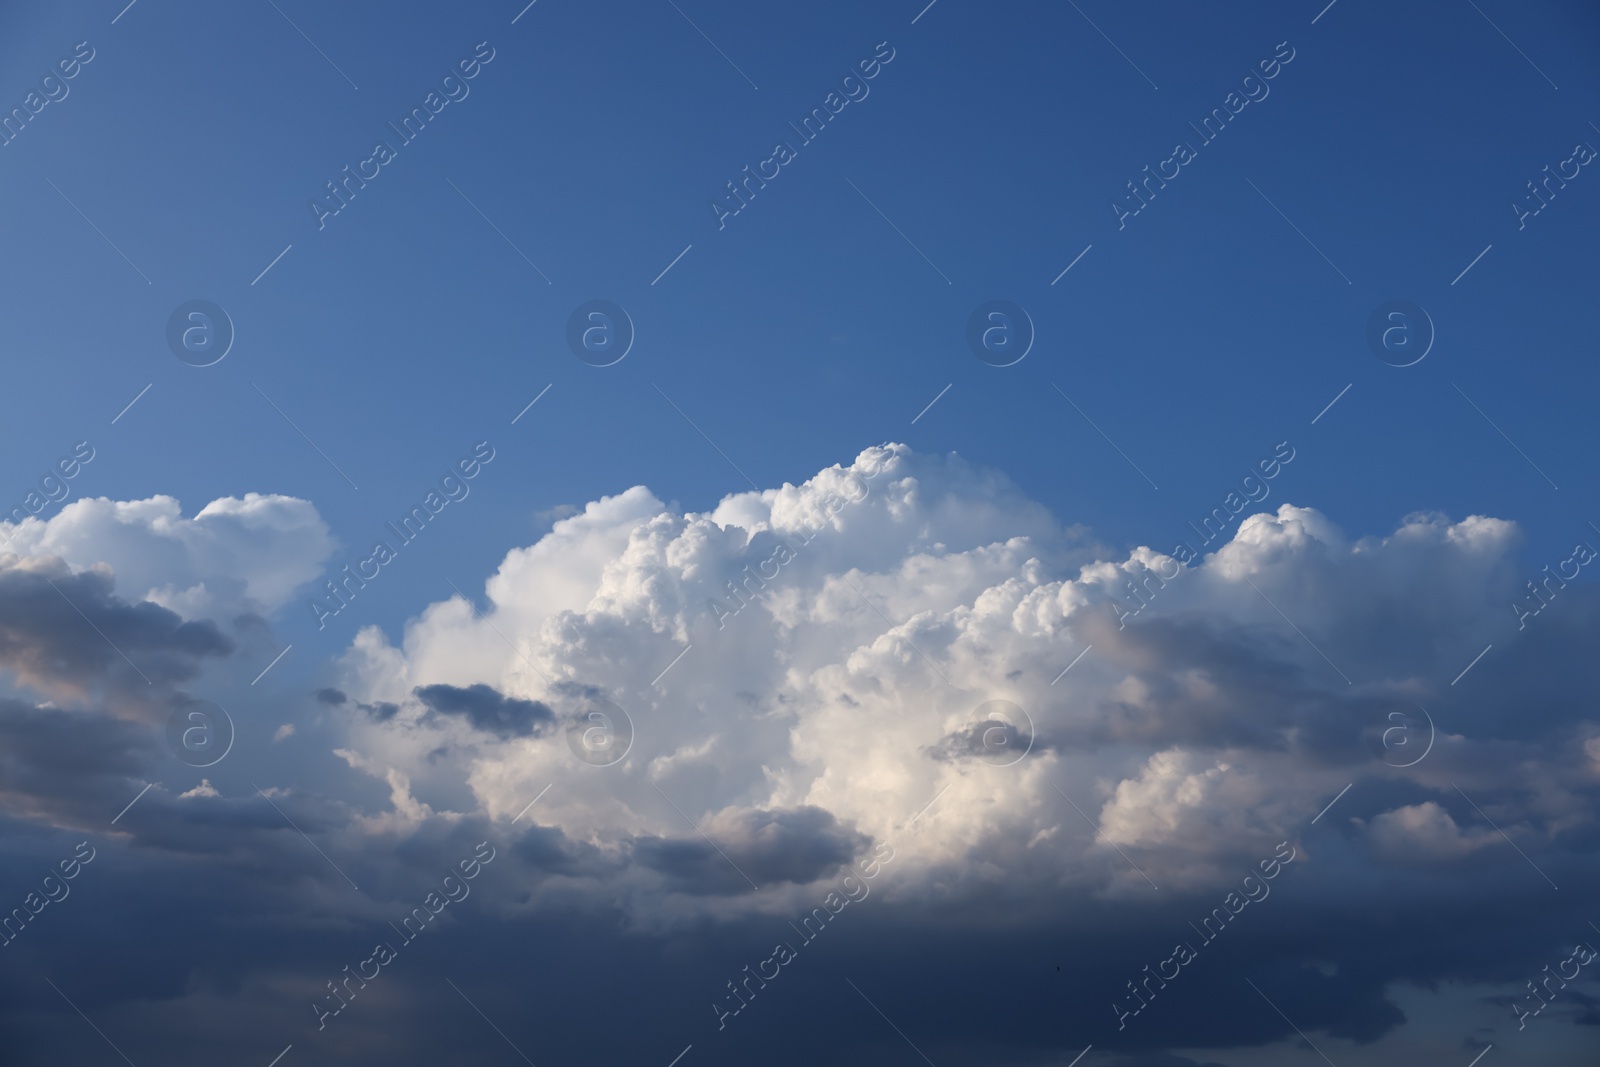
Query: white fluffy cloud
point(233, 556)
point(1425, 832)
point(838, 637)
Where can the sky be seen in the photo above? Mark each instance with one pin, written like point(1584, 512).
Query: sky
point(1024, 486)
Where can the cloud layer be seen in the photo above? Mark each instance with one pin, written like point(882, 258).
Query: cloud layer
point(684, 731)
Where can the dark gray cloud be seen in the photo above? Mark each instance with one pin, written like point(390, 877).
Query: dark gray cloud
point(378, 711)
point(487, 709)
point(988, 739)
point(60, 764)
point(963, 994)
point(64, 633)
point(798, 846)
point(382, 711)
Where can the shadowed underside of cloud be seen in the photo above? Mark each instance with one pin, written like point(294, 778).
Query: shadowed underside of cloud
point(62, 766)
point(1156, 1059)
point(65, 633)
point(798, 846)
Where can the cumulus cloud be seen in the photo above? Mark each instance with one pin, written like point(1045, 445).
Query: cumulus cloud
point(234, 556)
point(1425, 832)
point(838, 637)
point(873, 657)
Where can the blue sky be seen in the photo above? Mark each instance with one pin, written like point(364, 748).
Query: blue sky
point(807, 326)
point(376, 347)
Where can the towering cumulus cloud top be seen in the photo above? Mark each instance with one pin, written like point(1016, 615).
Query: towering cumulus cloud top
point(822, 657)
